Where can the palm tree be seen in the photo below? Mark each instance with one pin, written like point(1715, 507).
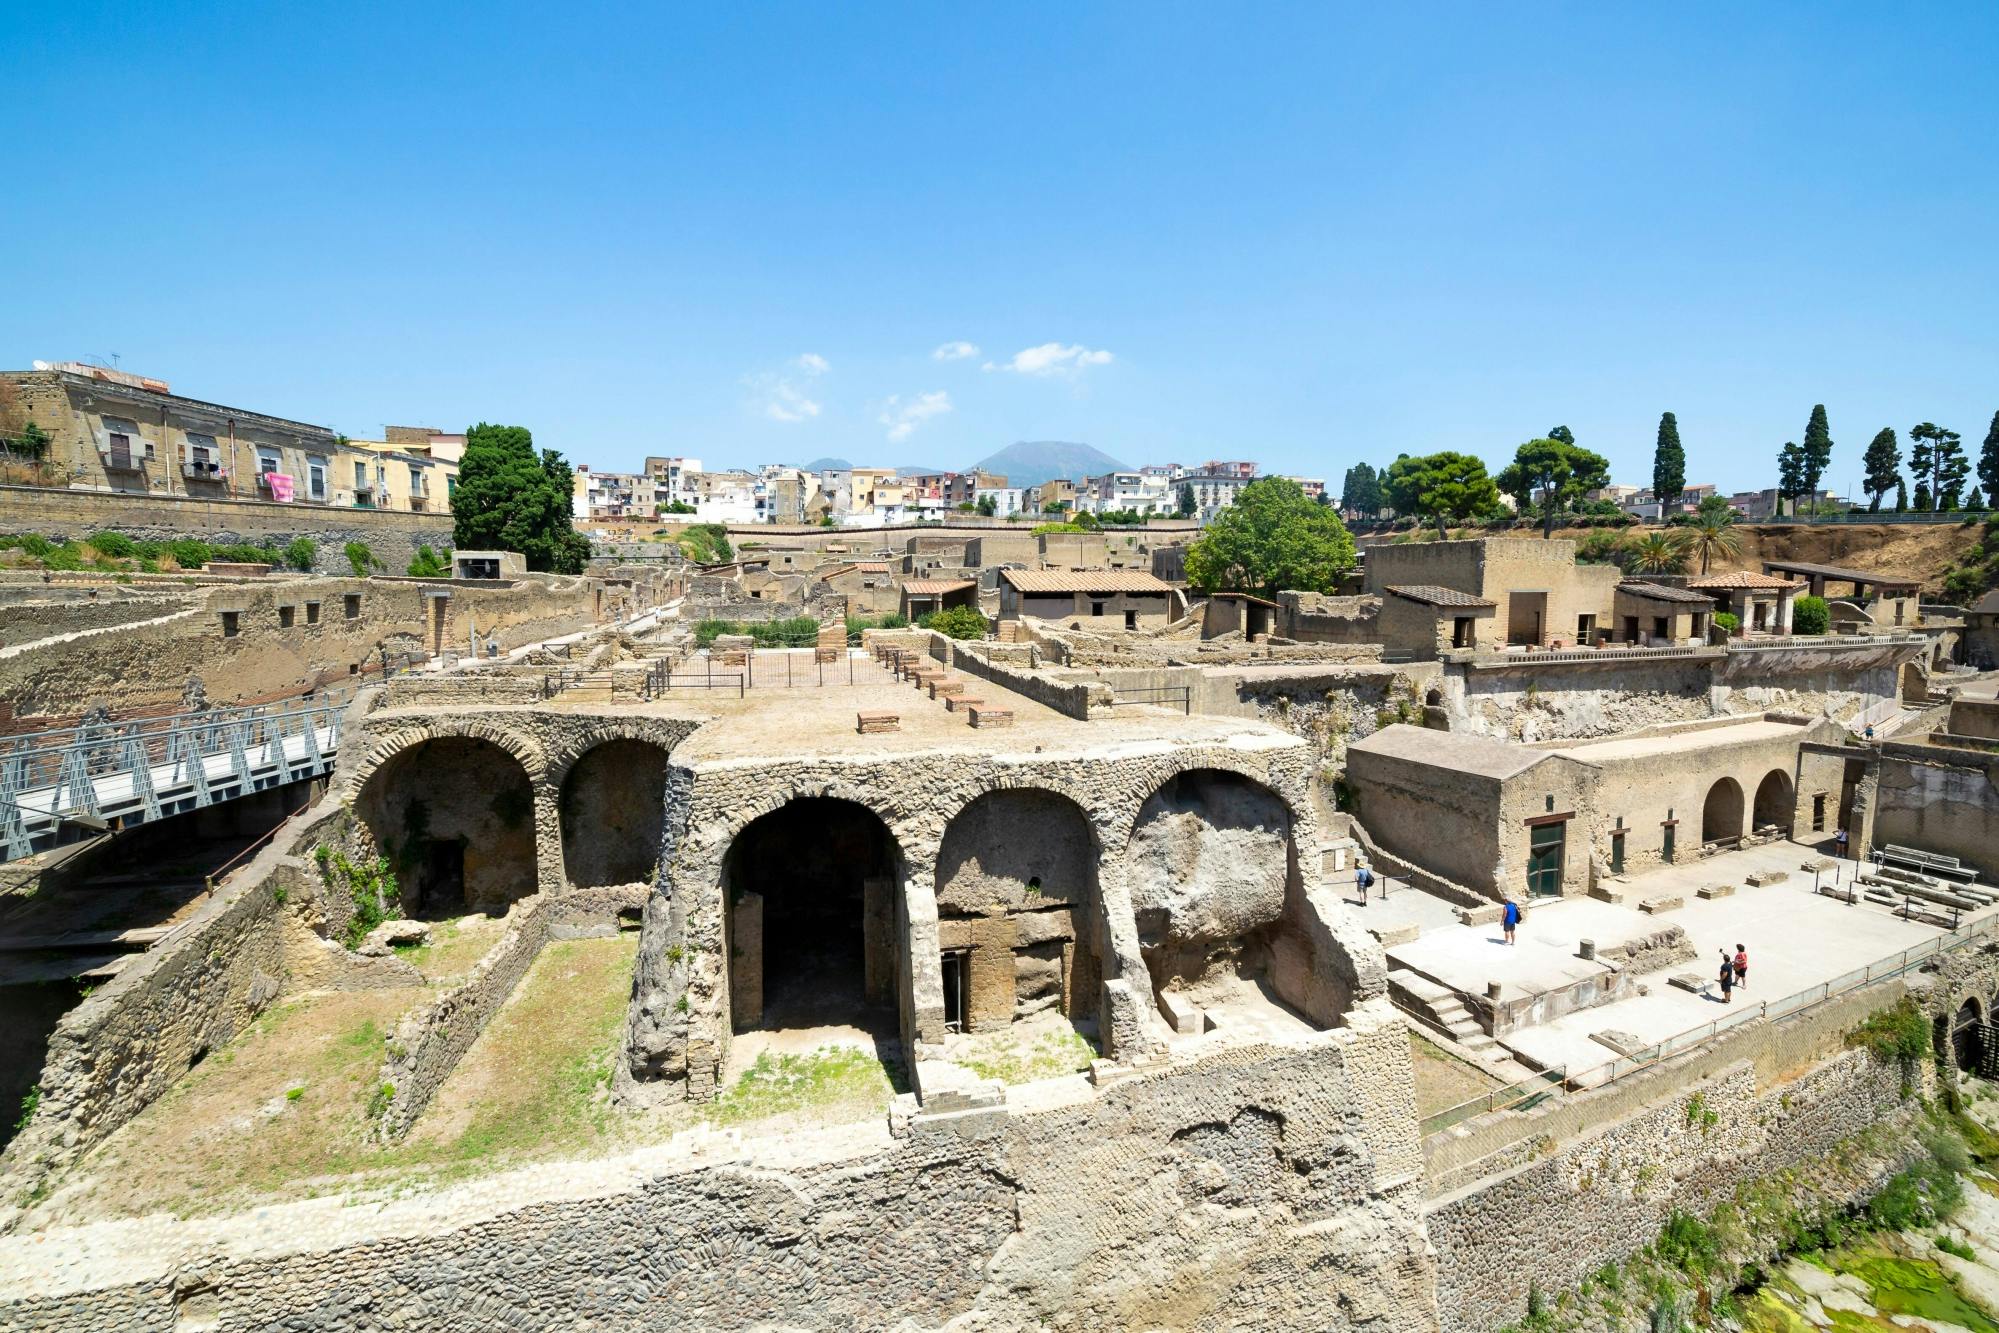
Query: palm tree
point(1713, 534)
point(1658, 553)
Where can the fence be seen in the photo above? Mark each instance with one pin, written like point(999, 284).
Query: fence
point(1521, 1096)
point(1166, 695)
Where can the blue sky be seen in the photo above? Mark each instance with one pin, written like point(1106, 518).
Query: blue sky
point(1308, 235)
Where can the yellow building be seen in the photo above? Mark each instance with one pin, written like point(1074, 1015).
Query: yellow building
point(383, 474)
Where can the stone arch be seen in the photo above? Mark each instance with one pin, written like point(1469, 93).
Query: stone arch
point(455, 815)
point(1721, 812)
point(1210, 865)
point(524, 749)
point(811, 890)
point(613, 812)
point(1775, 804)
point(1434, 697)
point(1017, 901)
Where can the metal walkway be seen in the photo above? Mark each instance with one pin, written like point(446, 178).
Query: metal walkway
point(59, 786)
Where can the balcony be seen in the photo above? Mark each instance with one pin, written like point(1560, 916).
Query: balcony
point(195, 469)
point(116, 459)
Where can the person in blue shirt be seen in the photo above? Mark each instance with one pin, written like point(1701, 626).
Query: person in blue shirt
point(1510, 919)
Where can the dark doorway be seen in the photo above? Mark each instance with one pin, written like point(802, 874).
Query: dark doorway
point(1617, 853)
point(956, 972)
point(440, 889)
point(1721, 813)
point(1666, 843)
point(1544, 860)
point(823, 875)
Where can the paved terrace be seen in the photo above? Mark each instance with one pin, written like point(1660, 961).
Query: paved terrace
point(1796, 939)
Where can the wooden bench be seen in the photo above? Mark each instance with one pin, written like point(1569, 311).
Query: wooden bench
point(869, 724)
point(958, 703)
point(991, 717)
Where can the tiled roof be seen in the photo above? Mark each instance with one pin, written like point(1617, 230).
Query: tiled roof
point(1743, 579)
point(872, 566)
point(1664, 592)
point(1084, 580)
point(936, 587)
point(1431, 595)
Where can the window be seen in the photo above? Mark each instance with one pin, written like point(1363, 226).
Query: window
point(1096, 608)
point(957, 976)
point(1461, 632)
point(315, 483)
point(1585, 627)
point(1662, 628)
point(360, 476)
point(351, 603)
point(312, 613)
point(286, 615)
point(1818, 813)
point(231, 625)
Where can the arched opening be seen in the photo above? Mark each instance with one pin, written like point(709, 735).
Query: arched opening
point(613, 811)
point(1434, 697)
point(1721, 813)
point(1964, 1036)
point(812, 889)
point(1774, 806)
point(1212, 868)
point(455, 817)
point(1016, 895)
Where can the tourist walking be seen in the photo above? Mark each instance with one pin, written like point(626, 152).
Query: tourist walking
point(1839, 841)
point(1510, 919)
point(1741, 967)
point(1727, 978)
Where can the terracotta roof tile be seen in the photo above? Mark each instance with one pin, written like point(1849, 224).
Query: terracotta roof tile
point(1743, 579)
point(1431, 595)
point(1085, 580)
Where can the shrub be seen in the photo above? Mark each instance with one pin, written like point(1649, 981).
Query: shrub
point(1688, 1244)
point(300, 553)
point(1898, 1033)
point(960, 622)
point(1727, 620)
point(361, 559)
point(190, 552)
point(1810, 615)
point(114, 544)
point(428, 564)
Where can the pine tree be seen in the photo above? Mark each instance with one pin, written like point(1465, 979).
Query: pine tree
point(1988, 458)
point(1883, 462)
point(1974, 500)
point(1669, 464)
point(1817, 455)
point(1937, 459)
point(1562, 433)
point(1790, 473)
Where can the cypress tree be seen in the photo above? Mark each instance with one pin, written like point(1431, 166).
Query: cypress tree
point(1669, 463)
point(1988, 458)
point(1901, 496)
point(1816, 454)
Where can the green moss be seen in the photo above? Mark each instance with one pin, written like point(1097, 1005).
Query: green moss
point(844, 1077)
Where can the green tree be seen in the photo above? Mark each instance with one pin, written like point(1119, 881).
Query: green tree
point(1560, 471)
point(1988, 458)
point(1562, 434)
point(1901, 496)
point(1360, 491)
point(510, 499)
point(1936, 457)
point(1272, 538)
point(1816, 453)
point(959, 622)
point(1883, 462)
point(1713, 532)
point(1790, 474)
point(1445, 486)
point(1187, 505)
point(1657, 553)
point(1975, 500)
point(1669, 464)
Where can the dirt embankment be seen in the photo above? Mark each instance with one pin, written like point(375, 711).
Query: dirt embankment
point(1912, 550)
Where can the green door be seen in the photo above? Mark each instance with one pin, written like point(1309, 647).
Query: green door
point(1544, 860)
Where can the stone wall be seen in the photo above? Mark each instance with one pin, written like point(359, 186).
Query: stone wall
point(1268, 1188)
point(1554, 1221)
point(392, 536)
point(429, 1041)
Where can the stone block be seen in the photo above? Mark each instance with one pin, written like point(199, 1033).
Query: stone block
point(958, 703)
point(1624, 1043)
point(1765, 877)
point(944, 689)
point(1612, 892)
point(1712, 891)
point(1687, 981)
point(991, 717)
point(1405, 933)
point(1663, 902)
point(1486, 914)
point(869, 724)
point(1181, 1013)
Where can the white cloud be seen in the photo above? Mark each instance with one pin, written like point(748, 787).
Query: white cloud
point(902, 418)
point(955, 351)
point(1053, 359)
point(778, 395)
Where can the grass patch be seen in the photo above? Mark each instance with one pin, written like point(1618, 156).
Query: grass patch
point(1443, 1080)
point(831, 1081)
point(1049, 1054)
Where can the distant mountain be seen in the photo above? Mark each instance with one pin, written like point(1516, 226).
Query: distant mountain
point(912, 471)
point(1031, 462)
point(825, 465)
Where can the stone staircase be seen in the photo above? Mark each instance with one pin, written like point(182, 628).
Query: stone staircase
point(1439, 1007)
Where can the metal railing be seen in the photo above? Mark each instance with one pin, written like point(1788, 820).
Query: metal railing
point(154, 767)
point(1521, 1096)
